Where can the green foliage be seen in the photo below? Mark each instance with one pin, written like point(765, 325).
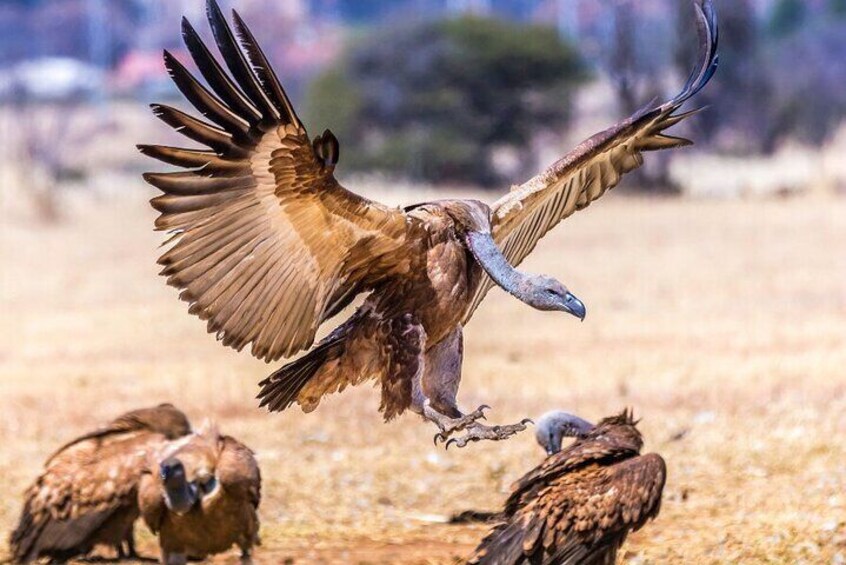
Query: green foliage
point(837, 8)
point(333, 102)
point(787, 16)
point(772, 87)
point(432, 101)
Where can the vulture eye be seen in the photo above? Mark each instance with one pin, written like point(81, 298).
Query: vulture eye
point(208, 485)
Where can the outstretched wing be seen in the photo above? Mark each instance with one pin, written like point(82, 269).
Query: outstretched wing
point(580, 517)
point(522, 217)
point(267, 244)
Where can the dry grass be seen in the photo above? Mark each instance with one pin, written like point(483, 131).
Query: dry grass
point(722, 323)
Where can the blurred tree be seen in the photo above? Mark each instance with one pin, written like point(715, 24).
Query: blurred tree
point(446, 97)
point(739, 98)
point(837, 8)
point(787, 16)
point(632, 72)
point(808, 70)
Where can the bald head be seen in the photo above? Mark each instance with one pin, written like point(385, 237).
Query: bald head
point(554, 426)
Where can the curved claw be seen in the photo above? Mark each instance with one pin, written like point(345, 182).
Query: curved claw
point(481, 410)
point(439, 436)
point(450, 442)
point(525, 421)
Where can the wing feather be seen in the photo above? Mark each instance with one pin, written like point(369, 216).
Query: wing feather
point(522, 217)
point(265, 240)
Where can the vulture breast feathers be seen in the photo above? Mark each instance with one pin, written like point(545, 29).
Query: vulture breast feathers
point(201, 494)
point(87, 493)
point(579, 505)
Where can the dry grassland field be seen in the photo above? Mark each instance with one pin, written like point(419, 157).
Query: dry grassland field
point(722, 323)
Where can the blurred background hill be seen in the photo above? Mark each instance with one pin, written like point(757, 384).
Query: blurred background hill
point(467, 92)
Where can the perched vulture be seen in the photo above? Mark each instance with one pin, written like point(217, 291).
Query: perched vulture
point(201, 494)
point(266, 245)
point(579, 505)
point(88, 492)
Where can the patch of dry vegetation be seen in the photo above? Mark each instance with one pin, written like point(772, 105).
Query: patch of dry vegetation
point(722, 323)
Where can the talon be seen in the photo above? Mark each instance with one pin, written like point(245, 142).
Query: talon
point(525, 421)
point(450, 442)
point(479, 414)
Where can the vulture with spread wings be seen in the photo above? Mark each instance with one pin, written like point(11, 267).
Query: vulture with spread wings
point(579, 505)
point(266, 244)
point(87, 493)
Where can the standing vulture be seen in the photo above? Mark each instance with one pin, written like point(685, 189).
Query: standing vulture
point(266, 244)
point(579, 505)
point(201, 494)
point(87, 493)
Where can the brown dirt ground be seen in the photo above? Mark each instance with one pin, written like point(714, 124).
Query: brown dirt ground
point(722, 323)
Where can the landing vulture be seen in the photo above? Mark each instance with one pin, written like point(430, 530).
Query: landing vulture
point(579, 505)
point(87, 493)
point(201, 494)
point(266, 245)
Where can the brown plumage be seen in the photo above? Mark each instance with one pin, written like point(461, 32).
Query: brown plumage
point(267, 245)
point(201, 494)
point(87, 493)
point(579, 505)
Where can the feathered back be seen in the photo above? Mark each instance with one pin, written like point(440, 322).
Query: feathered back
point(578, 505)
point(164, 419)
point(89, 483)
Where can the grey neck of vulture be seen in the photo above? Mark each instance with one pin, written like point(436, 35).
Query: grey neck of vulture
point(538, 291)
point(554, 426)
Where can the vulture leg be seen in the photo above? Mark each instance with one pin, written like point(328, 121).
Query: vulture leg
point(434, 395)
point(131, 552)
point(170, 558)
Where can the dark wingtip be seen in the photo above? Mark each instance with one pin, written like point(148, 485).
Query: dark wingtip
point(188, 30)
point(709, 36)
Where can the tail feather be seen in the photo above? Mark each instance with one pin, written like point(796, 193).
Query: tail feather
point(281, 389)
point(503, 546)
point(24, 538)
point(45, 536)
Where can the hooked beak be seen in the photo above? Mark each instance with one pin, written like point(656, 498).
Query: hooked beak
point(574, 306)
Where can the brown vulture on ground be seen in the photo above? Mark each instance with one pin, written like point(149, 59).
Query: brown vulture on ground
point(266, 244)
point(579, 505)
point(88, 491)
point(201, 494)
